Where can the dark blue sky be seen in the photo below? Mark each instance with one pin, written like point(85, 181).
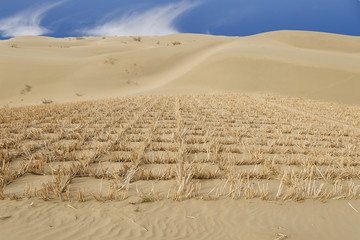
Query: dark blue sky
point(150, 17)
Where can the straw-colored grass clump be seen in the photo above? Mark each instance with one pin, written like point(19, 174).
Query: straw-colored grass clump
point(196, 146)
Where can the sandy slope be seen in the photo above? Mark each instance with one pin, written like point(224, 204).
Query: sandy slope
point(309, 64)
point(315, 65)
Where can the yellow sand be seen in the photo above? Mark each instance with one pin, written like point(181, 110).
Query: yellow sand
point(191, 219)
point(306, 64)
point(309, 64)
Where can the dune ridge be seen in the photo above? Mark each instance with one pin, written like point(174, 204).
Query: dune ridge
point(296, 63)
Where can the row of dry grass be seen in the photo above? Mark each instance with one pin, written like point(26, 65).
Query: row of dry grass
point(195, 146)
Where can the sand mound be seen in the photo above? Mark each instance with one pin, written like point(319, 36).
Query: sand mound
point(316, 65)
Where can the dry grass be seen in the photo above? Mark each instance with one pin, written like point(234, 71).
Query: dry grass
point(46, 101)
point(176, 43)
point(267, 147)
point(136, 39)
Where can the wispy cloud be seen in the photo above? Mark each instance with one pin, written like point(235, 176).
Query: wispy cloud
point(26, 22)
point(156, 21)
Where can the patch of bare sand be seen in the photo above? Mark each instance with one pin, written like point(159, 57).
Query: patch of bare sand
point(191, 219)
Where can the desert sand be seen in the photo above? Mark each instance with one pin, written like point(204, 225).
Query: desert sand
point(180, 137)
point(308, 64)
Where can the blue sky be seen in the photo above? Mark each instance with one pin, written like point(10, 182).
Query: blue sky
point(64, 18)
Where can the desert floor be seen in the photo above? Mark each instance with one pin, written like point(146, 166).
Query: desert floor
point(181, 137)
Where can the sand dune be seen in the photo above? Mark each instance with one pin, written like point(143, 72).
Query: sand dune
point(165, 161)
point(309, 64)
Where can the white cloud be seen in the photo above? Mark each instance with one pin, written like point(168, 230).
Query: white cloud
point(26, 22)
point(156, 21)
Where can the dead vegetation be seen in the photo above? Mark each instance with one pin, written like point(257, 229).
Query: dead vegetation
point(111, 61)
point(136, 39)
point(176, 43)
point(14, 45)
point(46, 101)
point(26, 89)
point(198, 146)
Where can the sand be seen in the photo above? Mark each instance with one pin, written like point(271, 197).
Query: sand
point(191, 219)
point(308, 64)
point(303, 81)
